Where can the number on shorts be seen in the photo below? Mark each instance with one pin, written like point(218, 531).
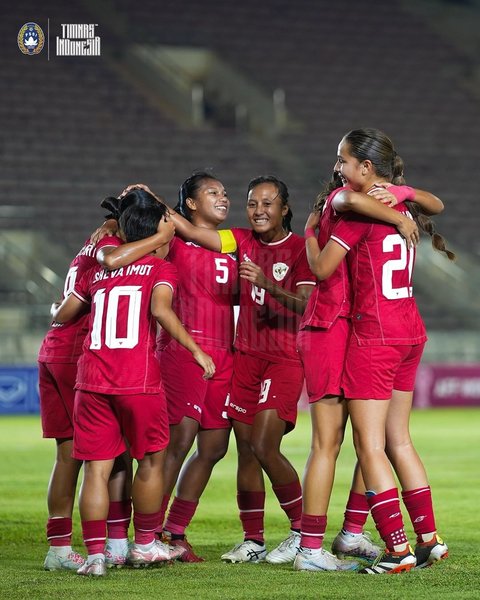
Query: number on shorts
point(398, 264)
point(266, 383)
point(134, 294)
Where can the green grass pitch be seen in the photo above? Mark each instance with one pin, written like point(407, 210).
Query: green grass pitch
point(447, 439)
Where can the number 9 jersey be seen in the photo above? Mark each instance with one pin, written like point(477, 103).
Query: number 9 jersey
point(381, 268)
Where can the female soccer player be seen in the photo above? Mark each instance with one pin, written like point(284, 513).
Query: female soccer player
point(57, 364)
point(322, 340)
point(383, 352)
point(275, 283)
point(113, 402)
point(207, 282)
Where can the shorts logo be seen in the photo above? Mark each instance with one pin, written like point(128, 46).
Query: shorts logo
point(30, 39)
point(239, 409)
point(279, 271)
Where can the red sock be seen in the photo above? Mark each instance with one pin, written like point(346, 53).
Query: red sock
point(385, 508)
point(252, 508)
point(145, 526)
point(356, 513)
point(313, 531)
point(420, 509)
point(290, 498)
point(94, 535)
point(118, 520)
point(59, 531)
point(163, 510)
point(179, 516)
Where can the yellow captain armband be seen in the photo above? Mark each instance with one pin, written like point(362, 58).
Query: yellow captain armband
point(229, 244)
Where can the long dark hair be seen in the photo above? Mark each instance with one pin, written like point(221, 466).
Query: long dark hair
point(188, 189)
point(139, 221)
point(282, 190)
point(375, 146)
point(136, 196)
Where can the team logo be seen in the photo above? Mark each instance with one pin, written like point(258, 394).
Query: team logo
point(279, 271)
point(31, 39)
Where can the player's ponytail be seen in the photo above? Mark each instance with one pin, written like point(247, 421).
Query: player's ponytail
point(397, 169)
point(428, 226)
point(334, 183)
point(111, 204)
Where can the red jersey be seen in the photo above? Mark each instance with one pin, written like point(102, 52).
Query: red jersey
point(332, 297)
point(265, 327)
point(64, 341)
point(207, 282)
point(381, 268)
point(119, 350)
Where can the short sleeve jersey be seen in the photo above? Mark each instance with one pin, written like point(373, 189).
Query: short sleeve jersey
point(381, 268)
point(332, 297)
point(119, 350)
point(265, 327)
point(204, 301)
point(64, 342)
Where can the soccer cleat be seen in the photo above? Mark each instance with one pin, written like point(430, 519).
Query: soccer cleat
point(158, 553)
point(390, 562)
point(189, 555)
point(248, 551)
point(286, 551)
point(356, 546)
point(308, 559)
point(115, 558)
point(55, 562)
point(428, 553)
point(96, 568)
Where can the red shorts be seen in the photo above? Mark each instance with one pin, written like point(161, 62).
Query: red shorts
point(56, 382)
point(323, 356)
point(373, 372)
point(259, 384)
point(103, 420)
point(189, 394)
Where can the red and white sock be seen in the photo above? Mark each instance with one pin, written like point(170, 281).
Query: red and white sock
point(356, 513)
point(290, 499)
point(59, 532)
point(94, 535)
point(313, 531)
point(179, 516)
point(385, 509)
point(145, 526)
point(419, 505)
point(252, 508)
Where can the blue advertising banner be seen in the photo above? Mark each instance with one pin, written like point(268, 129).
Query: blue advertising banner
point(19, 390)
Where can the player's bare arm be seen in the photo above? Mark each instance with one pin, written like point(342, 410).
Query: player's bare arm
point(368, 206)
point(429, 203)
point(114, 257)
point(71, 307)
point(161, 307)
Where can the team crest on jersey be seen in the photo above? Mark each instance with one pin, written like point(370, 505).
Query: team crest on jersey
point(245, 258)
point(279, 271)
point(31, 39)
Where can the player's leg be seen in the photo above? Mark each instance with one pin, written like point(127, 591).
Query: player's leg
point(352, 540)
point(56, 383)
point(119, 511)
point(329, 416)
point(250, 499)
point(416, 492)
point(212, 445)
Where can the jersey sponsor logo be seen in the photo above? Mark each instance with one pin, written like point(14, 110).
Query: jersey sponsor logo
point(31, 39)
point(279, 270)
